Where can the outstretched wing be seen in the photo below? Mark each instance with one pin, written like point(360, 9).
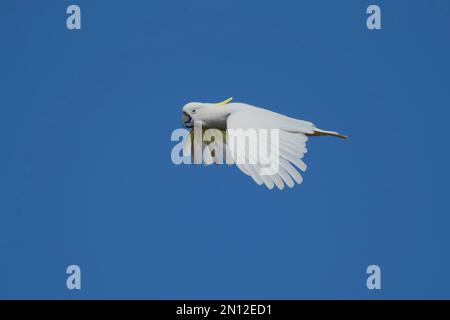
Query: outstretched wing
point(291, 146)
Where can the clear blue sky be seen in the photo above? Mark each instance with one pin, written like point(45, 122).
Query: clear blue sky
point(85, 170)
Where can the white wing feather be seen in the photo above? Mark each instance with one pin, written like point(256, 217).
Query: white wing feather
point(292, 144)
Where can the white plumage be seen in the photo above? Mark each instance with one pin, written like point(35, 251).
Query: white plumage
point(293, 135)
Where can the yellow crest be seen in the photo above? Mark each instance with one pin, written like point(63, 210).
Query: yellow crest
point(224, 102)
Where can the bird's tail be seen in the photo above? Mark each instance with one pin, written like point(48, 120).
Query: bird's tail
point(320, 132)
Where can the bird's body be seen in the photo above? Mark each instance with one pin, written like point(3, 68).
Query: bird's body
point(292, 133)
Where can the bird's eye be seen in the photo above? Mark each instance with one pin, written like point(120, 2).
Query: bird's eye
point(193, 111)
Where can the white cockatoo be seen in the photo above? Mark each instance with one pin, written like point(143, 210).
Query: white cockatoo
point(292, 135)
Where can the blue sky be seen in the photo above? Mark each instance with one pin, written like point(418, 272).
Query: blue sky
point(86, 176)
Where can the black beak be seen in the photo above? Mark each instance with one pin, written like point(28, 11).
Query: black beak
point(186, 120)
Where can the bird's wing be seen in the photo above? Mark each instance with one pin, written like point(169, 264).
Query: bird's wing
point(292, 146)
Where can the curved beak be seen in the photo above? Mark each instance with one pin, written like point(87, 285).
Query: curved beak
point(186, 120)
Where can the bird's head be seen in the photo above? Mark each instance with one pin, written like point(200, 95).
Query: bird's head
point(209, 115)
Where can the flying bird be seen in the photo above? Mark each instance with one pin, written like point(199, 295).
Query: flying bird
point(226, 116)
